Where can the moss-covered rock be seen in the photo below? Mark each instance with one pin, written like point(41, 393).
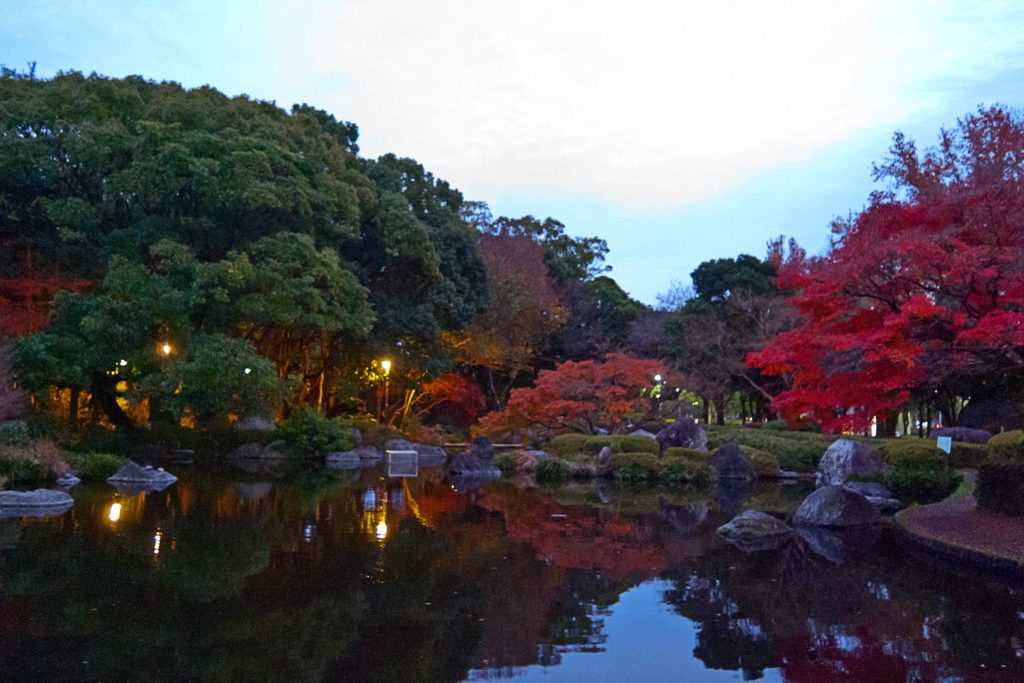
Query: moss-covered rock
point(1007, 445)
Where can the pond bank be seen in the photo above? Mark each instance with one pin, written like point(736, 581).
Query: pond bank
point(958, 530)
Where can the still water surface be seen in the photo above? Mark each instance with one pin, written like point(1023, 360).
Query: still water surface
point(353, 576)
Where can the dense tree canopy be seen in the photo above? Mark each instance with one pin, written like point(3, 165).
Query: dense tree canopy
point(922, 293)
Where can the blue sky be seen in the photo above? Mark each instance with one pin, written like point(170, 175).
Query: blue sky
point(677, 130)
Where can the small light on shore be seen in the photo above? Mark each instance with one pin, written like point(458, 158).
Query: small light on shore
point(247, 370)
point(122, 362)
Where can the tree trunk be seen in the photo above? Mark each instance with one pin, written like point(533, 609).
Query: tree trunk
point(720, 411)
point(104, 397)
point(73, 408)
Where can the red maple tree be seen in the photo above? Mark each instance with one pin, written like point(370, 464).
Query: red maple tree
point(922, 288)
point(580, 396)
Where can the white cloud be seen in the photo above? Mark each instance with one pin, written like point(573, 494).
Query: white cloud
point(651, 104)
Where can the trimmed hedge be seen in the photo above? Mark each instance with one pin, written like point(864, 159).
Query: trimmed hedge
point(797, 451)
point(776, 425)
point(565, 445)
point(1001, 487)
point(1007, 445)
point(636, 466)
point(688, 454)
point(765, 465)
point(686, 471)
point(913, 454)
point(922, 485)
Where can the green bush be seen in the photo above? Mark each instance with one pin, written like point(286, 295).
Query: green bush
point(505, 462)
point(922, 485)
point(913, 454)
point(683, 470)
point(776, 425)
point(94, 466)
point(968, 454)
point(13, 433)
point(765, 465)
point(373, 433)
point(18, 471)
point(1007, 445)
point(308, 432)
point(635, 467)
point(1001, 486)
point(551, 472)
point(688, 454)
point(565, 445)
point(797, 451)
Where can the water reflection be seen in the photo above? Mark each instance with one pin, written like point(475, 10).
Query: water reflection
point(316, 577)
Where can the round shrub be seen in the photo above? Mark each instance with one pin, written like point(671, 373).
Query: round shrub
point(1007, 445)
point(922, 485)
point(550, 471)
point(1000, 487)
point(913, 454)
point(565, 445)
point(635, 444)
point(776, 425)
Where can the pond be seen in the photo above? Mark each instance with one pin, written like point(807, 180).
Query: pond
point(356, 576)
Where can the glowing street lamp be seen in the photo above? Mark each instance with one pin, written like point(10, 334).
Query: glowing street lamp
point(165, 348)
point(385, 367)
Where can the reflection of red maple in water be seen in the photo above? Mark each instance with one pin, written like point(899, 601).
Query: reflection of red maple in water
point(582, 538)
point(864, 658)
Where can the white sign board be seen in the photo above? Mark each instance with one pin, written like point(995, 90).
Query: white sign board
point(945, 443)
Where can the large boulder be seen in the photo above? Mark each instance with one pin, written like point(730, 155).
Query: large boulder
point(479, 461)
point(962, 434)
point(751, 531)
point(836, 507)
point(135, 474)
point(428, 455)
point(38, 503)
point(682, 434)
point(730, 464)
point(845, 459)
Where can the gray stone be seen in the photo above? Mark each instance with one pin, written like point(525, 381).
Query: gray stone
point(684, 434)
point(369, 454)
point(730, 463)
point(134, 474)
point(600, 431)
point(845, 459)
point(962, 434)
point(868, 488)
point(751, 531)
point(68, 480)
point(428, 455)
point(479, 461)
point(788, 474)
point(357, 437)
point(836, 507)
point(643, 432)
point(254, 424)
point(40, 498)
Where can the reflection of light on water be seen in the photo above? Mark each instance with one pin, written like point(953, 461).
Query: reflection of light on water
point(157, 537)
point(307, 532)
point(382, 530)
point(115, 512)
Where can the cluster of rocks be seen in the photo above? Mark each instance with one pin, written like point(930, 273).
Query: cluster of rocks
point(837, 515)
point(682, 434)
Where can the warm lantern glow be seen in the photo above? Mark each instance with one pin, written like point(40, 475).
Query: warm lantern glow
point(382, 530)
point(157, 537)
point(115, 512)
point(165, 348)
point(385, 365)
